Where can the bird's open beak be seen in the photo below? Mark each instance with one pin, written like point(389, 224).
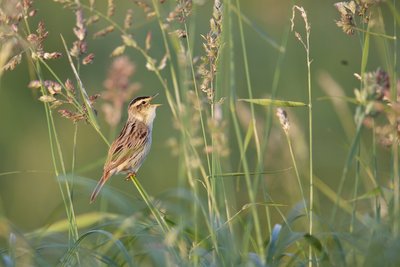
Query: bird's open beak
point(155, 105)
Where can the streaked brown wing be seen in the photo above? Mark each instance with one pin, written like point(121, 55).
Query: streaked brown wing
point(129, 143)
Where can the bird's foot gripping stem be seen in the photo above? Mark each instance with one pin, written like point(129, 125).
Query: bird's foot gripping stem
point(128, 177)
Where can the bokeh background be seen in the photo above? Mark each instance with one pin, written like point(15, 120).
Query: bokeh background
point(30, 198)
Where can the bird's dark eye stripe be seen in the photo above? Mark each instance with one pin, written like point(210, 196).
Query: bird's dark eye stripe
point(137, 99)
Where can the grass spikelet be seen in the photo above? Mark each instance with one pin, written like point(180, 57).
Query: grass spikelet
point(208, 67)
point(103, 32)
point(110, 8)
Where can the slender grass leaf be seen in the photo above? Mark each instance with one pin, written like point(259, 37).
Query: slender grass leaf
point(295, 259)
point(371, 194)
point(350, 156)
point(247, 139)
point(394, 11)
point(118, 243)
point(236, 174)
point(255, 260)
point(365, 53)
point(27, 171)
point(344, 98)
point(316, 244)
point(376, 34)
point(274, 102)
point(106, 260)
point(297, 212)
point(271, 252)
point(117, 197)
point(334, 197)
point(236, 215)
point(340, 252)
point(286, 240)
point(257, 29)
point(7, 261)
point(83, 220)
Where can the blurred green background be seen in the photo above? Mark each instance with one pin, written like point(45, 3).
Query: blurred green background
point(31, 197)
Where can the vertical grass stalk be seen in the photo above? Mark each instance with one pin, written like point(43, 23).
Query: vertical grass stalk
point(296, 170)
point(251, 187)
point(306, 46)
point(395, 147)
point(73, 230)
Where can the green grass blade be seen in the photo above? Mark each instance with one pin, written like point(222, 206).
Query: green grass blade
point(337, 199)
point(238, 174)
point(274, 102)
point(273, 243)
point(82, 221)
point(261, 33)
point(348, 162)
point(395, 12)
point(118, 243)
point(365, 53)
point(371, 194)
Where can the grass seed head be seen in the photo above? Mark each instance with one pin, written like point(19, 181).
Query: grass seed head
point(283, 119)
point(118, 88)
point(212, 44)
point(128, 19)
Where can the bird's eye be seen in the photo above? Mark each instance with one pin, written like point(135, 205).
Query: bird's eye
point(143, 102)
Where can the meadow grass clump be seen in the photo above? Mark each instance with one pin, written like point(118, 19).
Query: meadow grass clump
point(223, 210)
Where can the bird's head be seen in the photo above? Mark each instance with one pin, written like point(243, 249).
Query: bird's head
point(141, 109)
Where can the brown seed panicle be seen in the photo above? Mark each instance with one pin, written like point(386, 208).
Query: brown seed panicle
point(374, 99)
point(118, 88)
point(212, 44)
point(350, 10)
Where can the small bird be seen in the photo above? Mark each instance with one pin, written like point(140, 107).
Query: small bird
point(130, 149)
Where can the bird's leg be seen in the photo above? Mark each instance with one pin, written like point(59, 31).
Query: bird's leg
point(128, 178)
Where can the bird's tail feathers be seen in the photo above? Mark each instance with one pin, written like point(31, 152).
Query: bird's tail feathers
point(99, 185)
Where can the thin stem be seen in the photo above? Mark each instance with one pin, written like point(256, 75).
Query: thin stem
point(198, 98)
point(268, 123)
point(376, 34)
point(52, 131)
point(84, 95)
point(306, 46)
point(248, 80)
point(167, 50)
point(156, 213)
point(348, 162)
point(355, 192)
point(375, 172)
point(73, 158)
point(280, 48)
point(296, 171)
point(310, 126)
point(251, 187)
point(395, 148)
